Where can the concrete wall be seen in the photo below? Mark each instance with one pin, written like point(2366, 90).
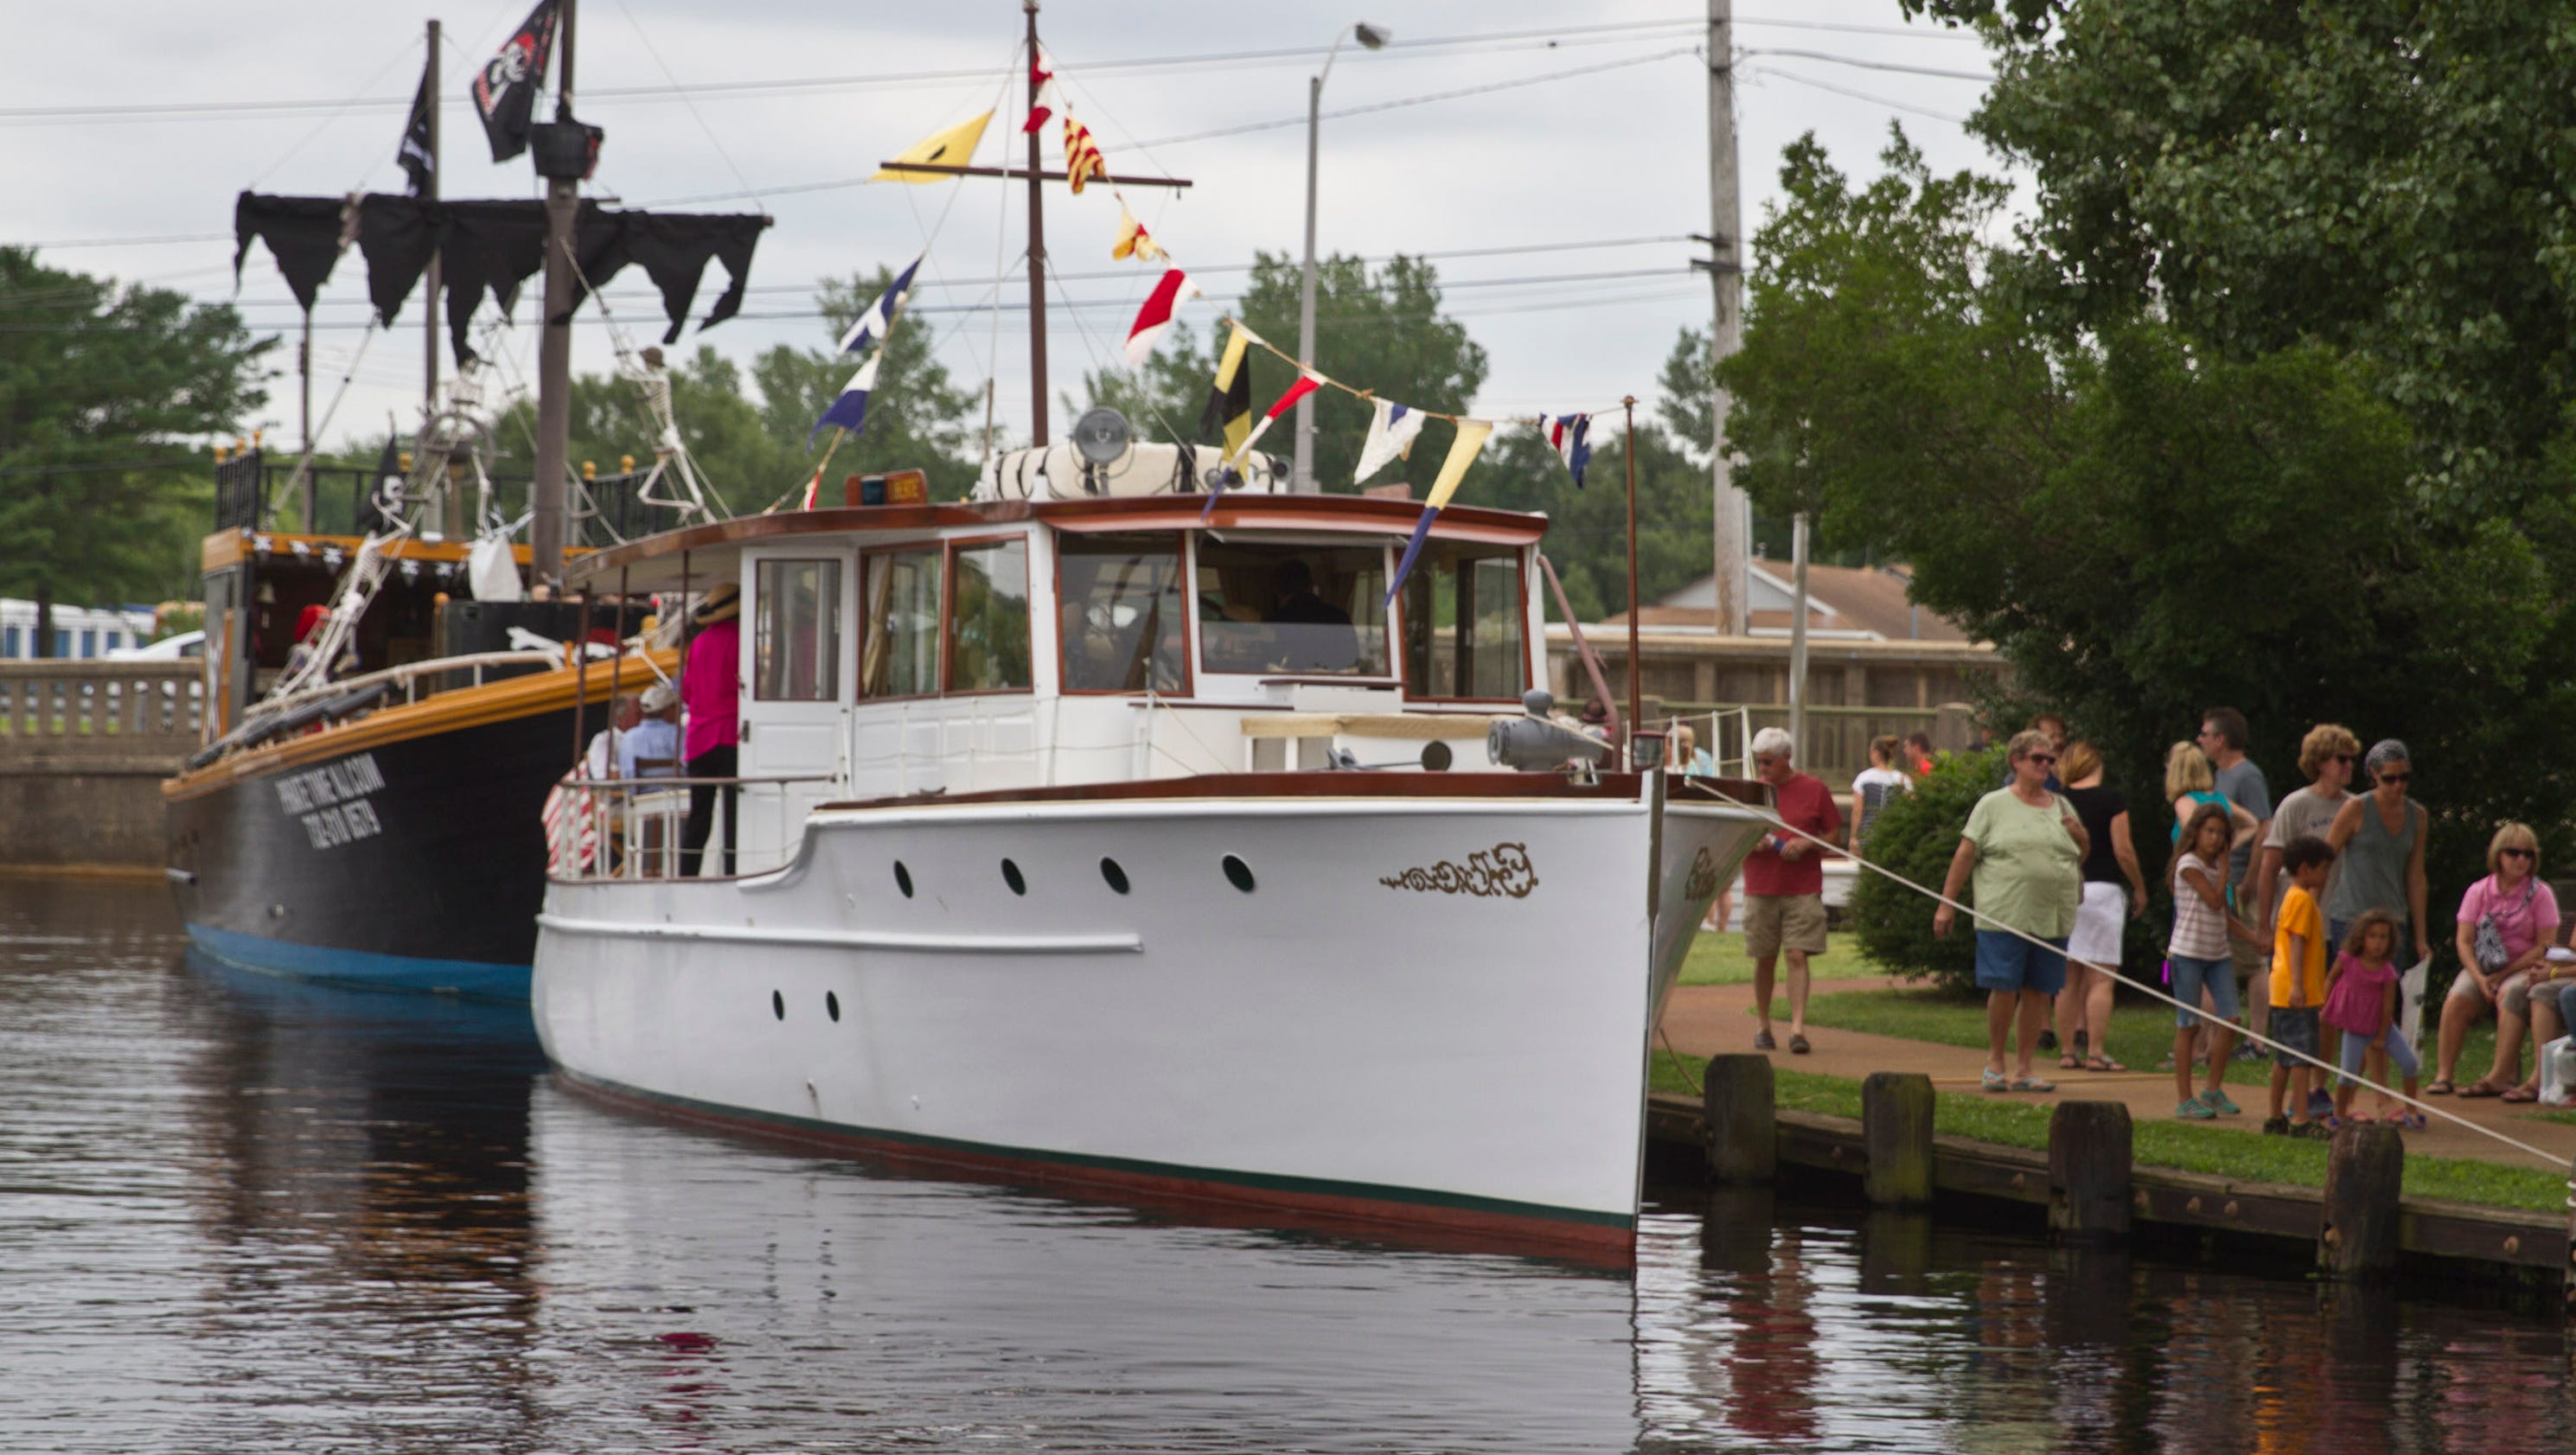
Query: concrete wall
point(83, 749)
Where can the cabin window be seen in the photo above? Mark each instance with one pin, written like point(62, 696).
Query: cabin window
point(796, 638)
point(1463, 617)
point(1120, 614)
point(902, 637)
point(1292, 609)
point(988, 631)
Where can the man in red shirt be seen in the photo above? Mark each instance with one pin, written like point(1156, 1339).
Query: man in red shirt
point(1784, 886)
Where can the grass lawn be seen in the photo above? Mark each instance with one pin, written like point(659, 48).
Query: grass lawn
point(2141, 1031)
point(1718, 959)
point(2189, 1148)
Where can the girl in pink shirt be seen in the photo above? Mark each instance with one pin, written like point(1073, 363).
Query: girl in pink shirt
point(2361, 1001)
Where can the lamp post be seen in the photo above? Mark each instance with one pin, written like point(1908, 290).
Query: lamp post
point(1370, 37)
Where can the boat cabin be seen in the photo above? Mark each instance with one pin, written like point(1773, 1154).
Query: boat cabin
point(988, 645)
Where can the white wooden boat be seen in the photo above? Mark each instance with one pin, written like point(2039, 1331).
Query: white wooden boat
point(1078, 846)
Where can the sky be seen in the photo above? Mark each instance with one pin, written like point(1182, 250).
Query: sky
point(1556, 199)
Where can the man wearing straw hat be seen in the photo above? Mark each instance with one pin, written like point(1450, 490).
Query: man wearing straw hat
point(709, 695)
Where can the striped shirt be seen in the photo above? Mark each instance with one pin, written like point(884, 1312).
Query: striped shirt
point(2199, 933)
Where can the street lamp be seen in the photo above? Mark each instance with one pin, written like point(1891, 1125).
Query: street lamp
point(1370, 37)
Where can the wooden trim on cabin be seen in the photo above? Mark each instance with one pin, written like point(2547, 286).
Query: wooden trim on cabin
point(1419, 727)
point(1140, 513)
point(449, 711)
point(228, 548)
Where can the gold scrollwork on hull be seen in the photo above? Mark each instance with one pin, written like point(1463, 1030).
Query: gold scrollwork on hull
point(1503, 870)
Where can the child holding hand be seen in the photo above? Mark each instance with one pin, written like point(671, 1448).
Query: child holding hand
point(2361, 1001)
point(2298, 984)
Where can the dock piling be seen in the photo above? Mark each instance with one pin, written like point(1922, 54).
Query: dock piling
point(2357, 1237)
point(1896, 1139)
point(1739, 1110)
point(2089, 1163)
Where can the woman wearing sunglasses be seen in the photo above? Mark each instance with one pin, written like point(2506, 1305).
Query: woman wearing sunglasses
point(2507, 923)
point(2025, 847)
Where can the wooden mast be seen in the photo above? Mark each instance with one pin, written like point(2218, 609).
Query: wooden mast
point(554, 351)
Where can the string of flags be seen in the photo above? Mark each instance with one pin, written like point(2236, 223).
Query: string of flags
point(1394, 428)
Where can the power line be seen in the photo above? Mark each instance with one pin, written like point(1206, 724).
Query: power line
point(1888, 101)
point(1425, 98)
point(1868, 65)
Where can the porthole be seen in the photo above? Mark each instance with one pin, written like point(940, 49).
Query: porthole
point(1011, 876)
point(1238, 873)
point(778, 1005)
point(903, 879)
point(1116, 877)
point(832, 1004)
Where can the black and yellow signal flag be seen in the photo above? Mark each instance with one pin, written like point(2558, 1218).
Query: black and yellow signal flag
point(1229, 406)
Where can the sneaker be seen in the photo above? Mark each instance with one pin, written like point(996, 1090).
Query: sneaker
point(2276, 1126)
point(2219, 1105)
point(2194, 1110)
point(1762, 1041)
point(2320, 1106)
point(2312, 1132)
point(2252, 1053)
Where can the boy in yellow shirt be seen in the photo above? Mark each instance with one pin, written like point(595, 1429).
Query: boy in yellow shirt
point(2298, 983)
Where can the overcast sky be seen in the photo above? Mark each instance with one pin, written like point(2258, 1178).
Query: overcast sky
point(1614, 153)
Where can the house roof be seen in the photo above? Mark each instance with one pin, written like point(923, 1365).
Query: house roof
point(1867, 602)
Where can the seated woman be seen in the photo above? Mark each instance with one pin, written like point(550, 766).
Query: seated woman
point(2522, 915)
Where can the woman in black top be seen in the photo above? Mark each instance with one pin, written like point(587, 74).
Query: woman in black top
point(2114, 889)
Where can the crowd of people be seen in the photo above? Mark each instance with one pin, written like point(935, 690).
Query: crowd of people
point(2305, 923)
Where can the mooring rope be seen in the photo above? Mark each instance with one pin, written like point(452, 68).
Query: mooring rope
point(2554, 1163)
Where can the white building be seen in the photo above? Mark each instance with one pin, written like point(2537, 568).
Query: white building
point(79, 631)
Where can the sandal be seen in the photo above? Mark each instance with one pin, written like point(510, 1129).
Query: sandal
point(2103, 1063)
point(2412, 1121)
point(1762, 1041)
point(1798, 1045)
point(2477, 1089)
point(2521, 1094)
point(2033, 1083)
point(2439, 1088)
point(2069, 1063)
point(1994, 1081)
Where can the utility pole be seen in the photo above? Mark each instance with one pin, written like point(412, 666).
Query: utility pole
point(1037, 256)
point(554, 350)
point(1726, 335)
point(1798, 639)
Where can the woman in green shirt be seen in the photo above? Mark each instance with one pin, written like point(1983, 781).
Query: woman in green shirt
point(2025, 846)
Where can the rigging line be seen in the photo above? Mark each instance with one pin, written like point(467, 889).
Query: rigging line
point(957, 185)
point(333, 119)
point(1744, 53)
point(2548, 1159)
point(1426, 98)
point(1887, 101)
point(304, 461)
point(1102, 368)
point(123, 242)
point(696, 115)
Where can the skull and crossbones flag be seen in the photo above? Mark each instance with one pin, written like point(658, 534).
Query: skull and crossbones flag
point(505, 89)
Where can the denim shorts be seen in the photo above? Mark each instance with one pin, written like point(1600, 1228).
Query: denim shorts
point(2008, 962)
point(2295, 1027)
point(2191, 976)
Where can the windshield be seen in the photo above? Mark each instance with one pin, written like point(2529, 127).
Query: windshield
point(1292, 609)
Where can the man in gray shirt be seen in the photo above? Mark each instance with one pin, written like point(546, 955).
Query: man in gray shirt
point(2223, 736)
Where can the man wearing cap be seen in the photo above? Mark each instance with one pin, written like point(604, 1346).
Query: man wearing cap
point(708, 690)
point(1784, 886)
point(651, 748)
point(601, 755)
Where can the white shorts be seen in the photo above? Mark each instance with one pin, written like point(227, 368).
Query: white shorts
point(2098, 922)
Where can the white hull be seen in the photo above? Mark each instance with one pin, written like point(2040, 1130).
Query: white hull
point(1364, 1034)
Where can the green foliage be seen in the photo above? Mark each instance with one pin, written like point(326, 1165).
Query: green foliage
point(105, 395)
point(2381, 177)
point(1915, 835)
point(2146, 526)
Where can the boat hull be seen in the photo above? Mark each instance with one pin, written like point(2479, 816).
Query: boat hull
point(1425, 1012)
point(411, 860)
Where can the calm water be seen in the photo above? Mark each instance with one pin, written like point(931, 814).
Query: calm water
point(236, 1215)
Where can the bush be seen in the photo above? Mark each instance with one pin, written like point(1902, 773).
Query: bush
point(1915, 835)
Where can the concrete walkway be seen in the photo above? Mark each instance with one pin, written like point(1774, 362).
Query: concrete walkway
point(1704, 1020)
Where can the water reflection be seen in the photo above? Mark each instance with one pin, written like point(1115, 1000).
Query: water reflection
point(240, 1214)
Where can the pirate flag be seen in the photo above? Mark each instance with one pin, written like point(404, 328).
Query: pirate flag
point(505, 90)
point(414, 154)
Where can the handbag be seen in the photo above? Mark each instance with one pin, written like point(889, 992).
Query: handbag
point(2492, 955)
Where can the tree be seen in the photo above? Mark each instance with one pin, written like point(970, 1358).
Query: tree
point(728, 439)
point(2384, 177)
point(917, 418)
point(105, 395)
point(2144, 525)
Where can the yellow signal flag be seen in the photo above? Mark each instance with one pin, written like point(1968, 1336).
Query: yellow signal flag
point(1462, 453)
point(1134, 241)
point(954, 147)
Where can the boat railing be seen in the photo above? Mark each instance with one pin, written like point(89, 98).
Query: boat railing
point(100, 706)
point(626, 829)
point(405, 679)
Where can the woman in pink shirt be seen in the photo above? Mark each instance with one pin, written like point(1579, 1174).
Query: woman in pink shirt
point(709, 693)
